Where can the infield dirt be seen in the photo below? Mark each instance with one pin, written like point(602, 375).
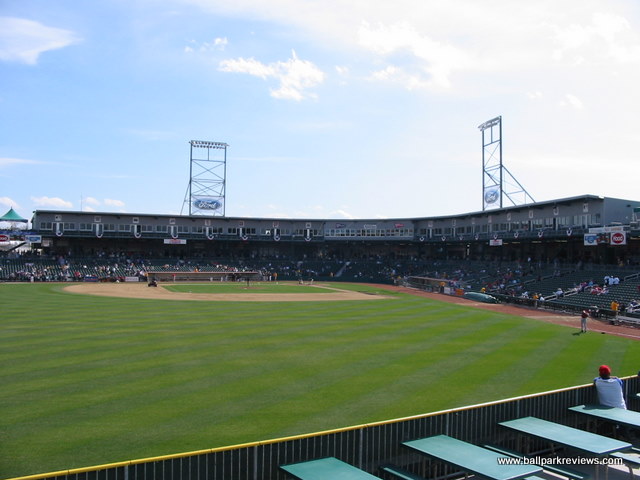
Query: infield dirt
point(141, 290)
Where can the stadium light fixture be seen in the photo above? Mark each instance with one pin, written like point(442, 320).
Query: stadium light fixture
point(490, 123)
point(206, 144)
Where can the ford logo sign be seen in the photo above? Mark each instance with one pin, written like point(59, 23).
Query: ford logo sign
point(207, 204)
point(491, 196)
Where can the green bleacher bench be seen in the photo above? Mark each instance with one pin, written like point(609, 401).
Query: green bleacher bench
point(324, 468)
point(400, 473)
point(629, 461)
point(563, 471)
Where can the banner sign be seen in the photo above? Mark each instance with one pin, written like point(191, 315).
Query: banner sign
point(495, 242)
point(608, 238)
point(174, 241)
point(617, 228)
point(4, 238)
point(33, 238)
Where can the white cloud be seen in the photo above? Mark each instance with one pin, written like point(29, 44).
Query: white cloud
point(295, 76)
point(250, 66)
point(572, 101)
point(220, 43)
point(341, 213)
point(205, 47)
point(606, 36)
point(9, 202)
point(91, 201)
point(399, 75)
point(51, 202)
point(436, 60)
point(113, 203)
point(5, 161)
point(430, 43)
point(87, 208)
point(23, 40)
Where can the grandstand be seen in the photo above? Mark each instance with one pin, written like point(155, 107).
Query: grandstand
point(514, 252)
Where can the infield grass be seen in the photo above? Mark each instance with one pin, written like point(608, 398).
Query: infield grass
point(88, 380)
point(241, 287)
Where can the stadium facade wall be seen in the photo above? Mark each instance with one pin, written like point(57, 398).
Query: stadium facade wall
point(545, 230)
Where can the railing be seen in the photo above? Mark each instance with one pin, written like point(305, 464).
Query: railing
point(364, 446)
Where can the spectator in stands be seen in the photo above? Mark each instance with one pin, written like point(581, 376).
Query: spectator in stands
point(609, 389)
point(614, 307)
point(622, 308)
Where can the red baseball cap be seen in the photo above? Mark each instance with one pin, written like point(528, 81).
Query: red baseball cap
point(604, 370)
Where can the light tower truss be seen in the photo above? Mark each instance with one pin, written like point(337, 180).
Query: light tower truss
point(497, 181)
point(206, 191)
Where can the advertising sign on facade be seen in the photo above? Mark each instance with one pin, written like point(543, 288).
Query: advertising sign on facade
point(611, 238)
point(174, 241)
point(619, 238)
point(590, 239)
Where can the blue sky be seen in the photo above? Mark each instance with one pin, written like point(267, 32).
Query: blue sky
point(331, 109)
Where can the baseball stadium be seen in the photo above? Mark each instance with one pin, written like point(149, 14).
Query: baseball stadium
point(201, 346)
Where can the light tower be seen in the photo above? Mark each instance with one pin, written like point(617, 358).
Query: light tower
point(207, 179)
point(497, 181)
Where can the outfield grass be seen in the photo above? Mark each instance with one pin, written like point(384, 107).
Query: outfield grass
point(89, 380)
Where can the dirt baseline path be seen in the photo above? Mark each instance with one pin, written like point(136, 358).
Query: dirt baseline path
point(141, 290)
point(558, 318)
